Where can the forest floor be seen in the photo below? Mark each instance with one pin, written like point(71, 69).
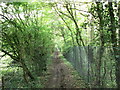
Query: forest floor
point(62, 75)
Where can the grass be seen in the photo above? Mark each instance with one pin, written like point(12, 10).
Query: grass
point(46, 74)
point(4, 63)
point(65, 61)
point(13, 76)
point(79, 82)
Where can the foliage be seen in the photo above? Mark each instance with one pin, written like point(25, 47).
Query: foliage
point(24, 39)
point(32, 30)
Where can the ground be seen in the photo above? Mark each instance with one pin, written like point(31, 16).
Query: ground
point(62, 75)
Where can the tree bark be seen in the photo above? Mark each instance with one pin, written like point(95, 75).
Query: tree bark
point(101, 49)
point(115, 44)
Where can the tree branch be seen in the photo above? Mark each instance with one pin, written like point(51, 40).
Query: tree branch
point(7, 53)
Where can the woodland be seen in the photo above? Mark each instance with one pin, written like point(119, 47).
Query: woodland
point(41, 40)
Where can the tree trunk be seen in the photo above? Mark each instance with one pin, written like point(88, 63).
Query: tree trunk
point(115, 45)
point(117, 53)
point(3, 83)
point(26, 71)
point(101, 49)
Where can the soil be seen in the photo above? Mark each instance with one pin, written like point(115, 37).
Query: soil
point(60, 75)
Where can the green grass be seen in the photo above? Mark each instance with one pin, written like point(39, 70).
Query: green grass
point(4, 62)
point(65, 61)
point(14, 76)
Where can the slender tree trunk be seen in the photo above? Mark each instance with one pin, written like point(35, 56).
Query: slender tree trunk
point(117, 53)
point(3, 83)
point(63, 34)
point(78, 32)
point(119, 26)
point(26, 71)
point(115, 45)
point(101, 49)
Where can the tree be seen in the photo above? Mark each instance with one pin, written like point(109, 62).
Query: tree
point(115, 42)
point(24, 39)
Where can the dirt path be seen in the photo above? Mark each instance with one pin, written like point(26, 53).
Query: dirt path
point(60, 75)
